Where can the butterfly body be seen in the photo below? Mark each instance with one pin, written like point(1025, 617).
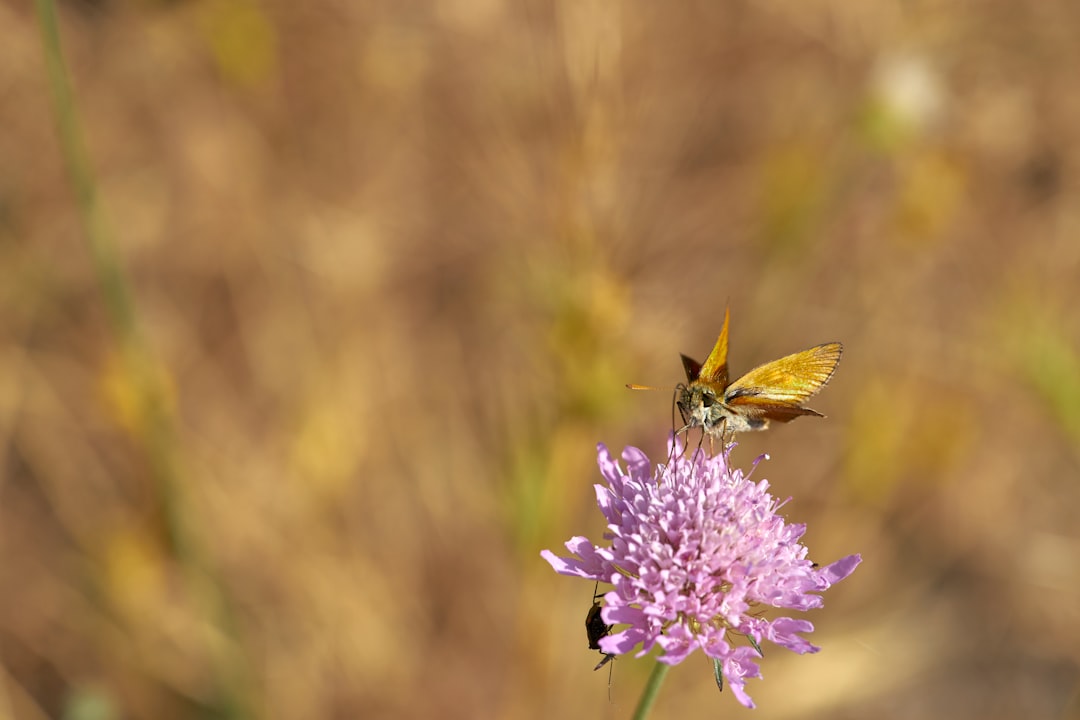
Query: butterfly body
point(774, 391)
point(702, 406)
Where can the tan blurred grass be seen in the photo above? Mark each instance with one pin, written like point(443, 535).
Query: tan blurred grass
point(395, 265)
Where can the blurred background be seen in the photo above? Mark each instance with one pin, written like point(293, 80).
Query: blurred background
point(384, 270)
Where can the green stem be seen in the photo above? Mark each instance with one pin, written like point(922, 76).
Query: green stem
point(156, 422)
point(135, 358)
point(652, 689)
point(117, 297)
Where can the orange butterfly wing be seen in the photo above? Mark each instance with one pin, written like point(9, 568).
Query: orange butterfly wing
point(776, 389)
point(715, 371)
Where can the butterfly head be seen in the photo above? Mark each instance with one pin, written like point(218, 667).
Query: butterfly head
point(698, 405)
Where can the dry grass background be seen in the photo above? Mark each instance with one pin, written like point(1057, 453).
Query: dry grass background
point(392, 265)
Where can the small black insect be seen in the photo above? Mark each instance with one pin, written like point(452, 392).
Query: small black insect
point(597, 629)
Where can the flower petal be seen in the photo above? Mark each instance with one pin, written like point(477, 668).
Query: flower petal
point(738, 668)
point(591, 565)
point(623, 642)
point(840, 569)
point(782, 631)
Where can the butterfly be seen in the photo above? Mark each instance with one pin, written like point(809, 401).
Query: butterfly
point(773, 391)
point(597, 629)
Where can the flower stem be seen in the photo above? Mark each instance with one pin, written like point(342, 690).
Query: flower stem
point(652, 689)
point(156, 421)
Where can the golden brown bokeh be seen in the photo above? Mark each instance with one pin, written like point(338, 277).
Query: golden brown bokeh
point(392, 265)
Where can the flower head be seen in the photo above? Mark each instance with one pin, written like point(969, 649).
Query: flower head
point(697, 554)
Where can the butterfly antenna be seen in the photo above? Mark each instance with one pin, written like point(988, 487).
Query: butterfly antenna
point(672, 458)
point(674, 401)
point(686, 426)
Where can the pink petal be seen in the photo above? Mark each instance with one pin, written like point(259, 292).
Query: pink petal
point(782, 631)
point(840, 569)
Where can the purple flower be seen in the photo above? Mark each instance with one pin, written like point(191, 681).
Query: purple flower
point(697, 553)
